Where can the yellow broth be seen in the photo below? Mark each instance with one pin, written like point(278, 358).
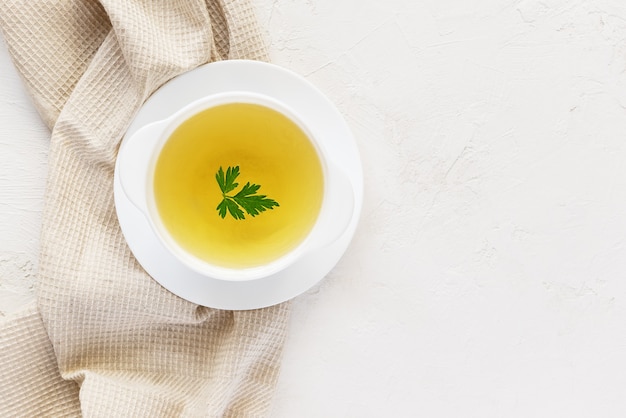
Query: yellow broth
point(270, 150)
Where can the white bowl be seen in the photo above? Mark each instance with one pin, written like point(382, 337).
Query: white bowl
point(137, 160)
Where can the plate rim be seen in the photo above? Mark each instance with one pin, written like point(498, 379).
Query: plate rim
point(239, 295)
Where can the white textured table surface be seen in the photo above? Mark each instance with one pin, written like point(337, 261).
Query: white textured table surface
point(488, 275)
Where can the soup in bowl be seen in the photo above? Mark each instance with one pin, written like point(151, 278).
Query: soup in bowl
point(236, 186)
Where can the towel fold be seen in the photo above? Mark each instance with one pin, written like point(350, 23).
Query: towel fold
point(105, 339)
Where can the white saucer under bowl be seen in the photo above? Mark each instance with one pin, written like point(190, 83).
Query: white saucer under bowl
point(316, 111)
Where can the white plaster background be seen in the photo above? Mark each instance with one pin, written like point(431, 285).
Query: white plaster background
point(488, 275)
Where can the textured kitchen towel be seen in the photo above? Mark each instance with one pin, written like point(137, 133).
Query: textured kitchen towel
point(105, 339)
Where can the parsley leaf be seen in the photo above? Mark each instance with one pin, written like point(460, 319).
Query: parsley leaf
point(227, 183)
point(246, 198)
point(230, 205)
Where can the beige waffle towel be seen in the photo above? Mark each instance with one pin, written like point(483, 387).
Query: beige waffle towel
point(105, 339)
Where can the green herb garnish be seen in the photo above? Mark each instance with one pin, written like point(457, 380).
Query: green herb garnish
point(246, 198)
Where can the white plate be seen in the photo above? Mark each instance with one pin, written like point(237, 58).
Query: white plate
point(316, 111)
